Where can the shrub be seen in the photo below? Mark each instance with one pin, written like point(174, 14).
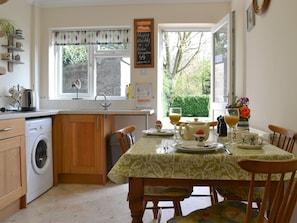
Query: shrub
point(192, 106)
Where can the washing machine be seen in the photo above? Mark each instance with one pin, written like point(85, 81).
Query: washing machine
point(39, 156)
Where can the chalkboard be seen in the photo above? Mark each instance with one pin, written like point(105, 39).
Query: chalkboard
point(143, 43)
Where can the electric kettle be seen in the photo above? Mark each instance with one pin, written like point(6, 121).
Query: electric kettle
point(28, 102)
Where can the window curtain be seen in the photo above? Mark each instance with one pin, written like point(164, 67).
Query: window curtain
point(88, 37)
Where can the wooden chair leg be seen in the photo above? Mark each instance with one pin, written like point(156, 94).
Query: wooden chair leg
point(145, 204)
point(159, 215)
point(177, 208)
point(155, 209)
point(213, 195)
point(258, 204)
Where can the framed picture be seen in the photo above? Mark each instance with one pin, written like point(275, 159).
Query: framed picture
point(143, 43)
point(250, 18)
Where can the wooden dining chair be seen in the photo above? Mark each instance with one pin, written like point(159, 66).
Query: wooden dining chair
point(154, 194)
point(281, 137)
point(280, 180)
point(126, 137)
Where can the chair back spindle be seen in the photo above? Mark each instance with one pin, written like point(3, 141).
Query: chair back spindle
point(281, 181)
point(282, 137)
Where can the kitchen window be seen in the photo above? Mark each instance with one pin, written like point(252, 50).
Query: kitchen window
point(87, 62)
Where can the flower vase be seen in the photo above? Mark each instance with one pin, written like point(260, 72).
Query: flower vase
point(243, 124)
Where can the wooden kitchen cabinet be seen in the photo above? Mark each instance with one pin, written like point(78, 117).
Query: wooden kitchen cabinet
point(80, 148)
point(13, 179)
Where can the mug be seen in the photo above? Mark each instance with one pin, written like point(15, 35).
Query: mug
point(17, 57)
point(251, 139)
point(18, 45)
point(237, 134)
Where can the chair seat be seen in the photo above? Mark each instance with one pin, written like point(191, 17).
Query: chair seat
point(165, 191)
point(240, 193)
point(223, 212)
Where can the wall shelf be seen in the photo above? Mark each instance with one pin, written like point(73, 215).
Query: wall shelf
point(12, 48)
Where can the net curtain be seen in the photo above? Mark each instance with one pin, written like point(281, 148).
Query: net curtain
point(84, 37)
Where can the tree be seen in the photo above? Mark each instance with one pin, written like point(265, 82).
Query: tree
point(75, 54)
point(186, 64)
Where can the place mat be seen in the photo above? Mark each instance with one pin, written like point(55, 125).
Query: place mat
point(245, 146)
point(155, 133)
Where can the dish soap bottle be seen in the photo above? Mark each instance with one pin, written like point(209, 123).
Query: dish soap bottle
point(129, 91)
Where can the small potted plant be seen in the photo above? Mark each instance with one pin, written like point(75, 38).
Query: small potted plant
point(244, 111)
point(6, 27)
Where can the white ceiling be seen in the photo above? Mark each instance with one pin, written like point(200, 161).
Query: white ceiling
point(69, 3)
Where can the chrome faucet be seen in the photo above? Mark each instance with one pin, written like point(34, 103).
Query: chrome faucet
point(104, 104)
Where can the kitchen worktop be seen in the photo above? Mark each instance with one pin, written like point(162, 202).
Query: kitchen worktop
point(109, 112)
point(27, 114)
point(48, 112)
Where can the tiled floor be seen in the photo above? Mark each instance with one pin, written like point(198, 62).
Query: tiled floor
point(77, 203)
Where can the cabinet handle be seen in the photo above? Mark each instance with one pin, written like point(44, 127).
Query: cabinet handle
point(6, 129)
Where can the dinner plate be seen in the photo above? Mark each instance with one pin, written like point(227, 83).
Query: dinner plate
point(155, 133)
point(192, 147)
point(245, 146)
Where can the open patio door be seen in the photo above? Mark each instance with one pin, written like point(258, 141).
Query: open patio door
point(222, 66)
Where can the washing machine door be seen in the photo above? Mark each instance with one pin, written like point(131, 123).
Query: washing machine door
point(41, 155)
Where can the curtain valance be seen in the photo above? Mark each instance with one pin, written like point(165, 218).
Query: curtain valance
point(83, 37)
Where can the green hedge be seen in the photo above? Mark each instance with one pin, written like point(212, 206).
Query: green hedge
point(192, 106)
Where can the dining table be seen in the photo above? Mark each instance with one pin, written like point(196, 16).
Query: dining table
point(159, 160)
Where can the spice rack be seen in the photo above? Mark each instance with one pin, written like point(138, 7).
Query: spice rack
point(12, 49)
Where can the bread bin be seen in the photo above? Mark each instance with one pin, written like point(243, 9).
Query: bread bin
point(28, 100)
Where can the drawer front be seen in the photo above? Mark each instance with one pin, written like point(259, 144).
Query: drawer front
point(12, 127)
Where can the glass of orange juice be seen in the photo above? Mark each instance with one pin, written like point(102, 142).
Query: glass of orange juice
point(174, 116)
point(231, 118)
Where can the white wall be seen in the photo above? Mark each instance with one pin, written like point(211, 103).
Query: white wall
point(266, 70)
point(19, 12)
point(124, 15)
point(266, 64)
point(265, 57)
point(271, 71)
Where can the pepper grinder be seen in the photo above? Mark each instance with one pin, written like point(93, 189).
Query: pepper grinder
point(222, 127)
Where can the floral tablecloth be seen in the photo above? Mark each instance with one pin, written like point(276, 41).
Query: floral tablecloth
point(147, 159)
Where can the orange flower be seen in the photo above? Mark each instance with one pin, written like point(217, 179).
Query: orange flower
point(244, 112)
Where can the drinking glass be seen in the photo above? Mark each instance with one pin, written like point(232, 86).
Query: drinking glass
point(174, 116)
point(231, 118)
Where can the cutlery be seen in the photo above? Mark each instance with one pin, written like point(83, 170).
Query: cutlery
point(227, 150)
point(165, 146)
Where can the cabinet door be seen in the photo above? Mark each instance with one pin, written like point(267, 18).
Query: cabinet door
point(12, 170)
point(83, 143)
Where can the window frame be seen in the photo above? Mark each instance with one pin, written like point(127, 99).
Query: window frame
point(55, 60)
point(176, 27)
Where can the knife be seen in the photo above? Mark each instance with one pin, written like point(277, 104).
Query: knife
point(227, 150)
